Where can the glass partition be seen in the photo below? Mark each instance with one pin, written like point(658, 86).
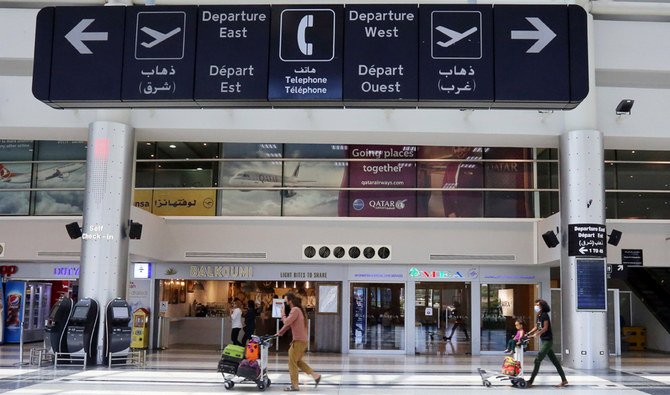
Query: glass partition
point(377, 316)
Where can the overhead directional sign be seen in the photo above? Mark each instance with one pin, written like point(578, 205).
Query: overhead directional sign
point(587, 240)
point(381, 61)
point(306, 54)
point(87, 54)
point(232, 54)
point(159, 58)
point(631, 257)
point(532, 54)
point(456, 55)
point(433, 55)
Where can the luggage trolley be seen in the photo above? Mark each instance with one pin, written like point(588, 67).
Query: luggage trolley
point(262, 380)
point(517, 380)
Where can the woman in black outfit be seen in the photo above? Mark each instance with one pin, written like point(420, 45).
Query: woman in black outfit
point(543, 330)
point(249, 321)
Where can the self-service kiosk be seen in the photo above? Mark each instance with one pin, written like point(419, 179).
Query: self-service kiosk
point(54, 328)
point(117, 331)
point(82, 330)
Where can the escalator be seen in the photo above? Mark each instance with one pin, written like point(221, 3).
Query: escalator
point(652, 287)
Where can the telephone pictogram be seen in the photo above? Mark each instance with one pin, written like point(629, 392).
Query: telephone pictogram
point(305, 47)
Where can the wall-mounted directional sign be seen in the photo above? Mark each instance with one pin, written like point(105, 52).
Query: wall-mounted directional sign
point(306, 54)
point(631, 257)
point(86, 55)
point(459, 56)
point(159, 54)
point(456, 55)
point(232, 55)
point(381, 53)
point(587, 240)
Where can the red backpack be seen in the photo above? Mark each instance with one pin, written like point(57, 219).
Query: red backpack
point(511, 367)
point(252, 351)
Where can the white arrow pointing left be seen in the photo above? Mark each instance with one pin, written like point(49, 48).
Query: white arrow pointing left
point(542, 34)
point(77, 36)
point(583, 250)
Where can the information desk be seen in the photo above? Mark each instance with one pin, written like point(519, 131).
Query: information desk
point(213, 331)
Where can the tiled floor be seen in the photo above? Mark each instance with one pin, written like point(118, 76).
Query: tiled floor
point(193, 371)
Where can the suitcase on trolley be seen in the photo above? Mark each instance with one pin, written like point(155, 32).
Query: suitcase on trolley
point(233, 353)
point(227, 367)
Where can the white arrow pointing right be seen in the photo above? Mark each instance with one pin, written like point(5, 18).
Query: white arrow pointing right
point(77, 36)
point(542, 34)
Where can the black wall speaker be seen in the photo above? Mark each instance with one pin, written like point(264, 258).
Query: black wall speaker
point(135, 231)
point(615, 237)
point(550, 239)
point(73, 230)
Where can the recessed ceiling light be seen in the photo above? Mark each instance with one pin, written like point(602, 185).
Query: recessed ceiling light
point(148, 143)
point(173, 146)
point(199, 168)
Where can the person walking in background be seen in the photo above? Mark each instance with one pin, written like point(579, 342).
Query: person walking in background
point(236, 320)
point(297, 322)
point(458, 322)
point(249, 321)
point(543, 331)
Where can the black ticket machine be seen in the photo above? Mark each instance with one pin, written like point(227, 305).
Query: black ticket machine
point(82, 330)
point(117, 331)
point(54, 328)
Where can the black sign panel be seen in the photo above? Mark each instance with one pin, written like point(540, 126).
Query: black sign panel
point(591, 284)
point(456, 55)
point(587, 240)
point(532, 54)
point(617, 271)
point(87, 54)
point(380, 59)
point(306, 54)
point(42, 56)
point(232, 54)
point(159, 54)
point(631, 257)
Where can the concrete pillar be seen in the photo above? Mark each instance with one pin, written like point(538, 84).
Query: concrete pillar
point(104, 257)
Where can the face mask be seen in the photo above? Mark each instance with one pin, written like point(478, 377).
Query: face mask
point(537, 309)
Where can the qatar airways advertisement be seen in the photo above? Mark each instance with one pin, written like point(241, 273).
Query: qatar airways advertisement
point(386, 176)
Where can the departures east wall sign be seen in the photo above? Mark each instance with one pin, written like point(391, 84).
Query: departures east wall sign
point(368, 55)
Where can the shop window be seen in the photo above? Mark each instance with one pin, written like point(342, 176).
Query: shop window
point(377, 316)
point(251, 187)
point(501, 306)
point(15, 175)
point(309, 175)
point(62, 165)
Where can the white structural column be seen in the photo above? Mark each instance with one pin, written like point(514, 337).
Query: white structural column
point(582, 202)
point(582, 190)
point(104, 258)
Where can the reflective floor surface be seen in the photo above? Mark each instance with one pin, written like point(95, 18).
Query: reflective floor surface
point(192, 370)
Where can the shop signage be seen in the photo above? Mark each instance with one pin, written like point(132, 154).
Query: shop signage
point(66, 271)
point(449, 55)
point(8, 270)
point(471, 273)
point(587, 240)
point(208, 271)
point(307, 275)
point(142, 270)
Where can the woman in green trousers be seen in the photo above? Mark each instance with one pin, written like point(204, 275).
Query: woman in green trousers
point(543, 331)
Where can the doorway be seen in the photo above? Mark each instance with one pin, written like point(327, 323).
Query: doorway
point(442, 318)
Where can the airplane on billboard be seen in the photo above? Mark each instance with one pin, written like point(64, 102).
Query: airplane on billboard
point(61, 171)
point(254, 178)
